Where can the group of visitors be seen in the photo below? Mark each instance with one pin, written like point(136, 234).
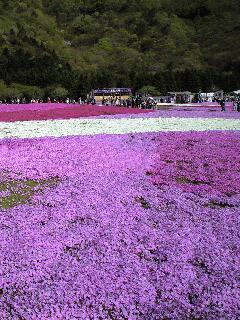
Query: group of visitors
point(14, 101)
point(48, 100)
point(235, 101)
point(137, 101)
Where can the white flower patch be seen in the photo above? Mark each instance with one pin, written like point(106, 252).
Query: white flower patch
point(72, 127)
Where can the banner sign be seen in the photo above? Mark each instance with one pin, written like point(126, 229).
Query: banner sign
point(112, 91)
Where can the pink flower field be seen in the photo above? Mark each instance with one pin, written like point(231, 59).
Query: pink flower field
point(121, 226)
point(48, 111)
point(45, 111)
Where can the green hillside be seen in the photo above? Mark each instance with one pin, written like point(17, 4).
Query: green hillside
point(80, 44)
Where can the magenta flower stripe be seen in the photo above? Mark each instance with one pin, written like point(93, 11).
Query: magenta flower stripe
point(28, 112)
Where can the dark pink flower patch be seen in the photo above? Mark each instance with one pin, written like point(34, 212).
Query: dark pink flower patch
point(58, 111)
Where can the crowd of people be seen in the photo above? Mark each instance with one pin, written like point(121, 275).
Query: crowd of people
point(137, 101)
point(184, 99)
point(235, 101)
point(48, 100)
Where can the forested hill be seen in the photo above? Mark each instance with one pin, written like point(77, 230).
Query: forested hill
point(80, 44)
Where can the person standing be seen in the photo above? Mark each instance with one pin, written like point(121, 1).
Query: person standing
point(222, 104)
point(111, 100)
point(133, 102)
point(235, 104)
point(238, 105)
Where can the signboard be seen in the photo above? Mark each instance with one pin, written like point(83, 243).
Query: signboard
point(112, 91)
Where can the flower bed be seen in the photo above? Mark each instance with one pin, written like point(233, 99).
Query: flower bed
point(182, 112)
point(75, 127)
point(35, 106)
point(60, 111)
point(13, 113)
point(204, 104)
point(135, 226)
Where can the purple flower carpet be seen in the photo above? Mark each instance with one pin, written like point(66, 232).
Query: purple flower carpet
point(120, 226)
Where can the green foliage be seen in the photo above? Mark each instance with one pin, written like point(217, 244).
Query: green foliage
point(58, 93)
point(150, 90)
point(81, 44)
point(16, 90)
point(21, 191)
